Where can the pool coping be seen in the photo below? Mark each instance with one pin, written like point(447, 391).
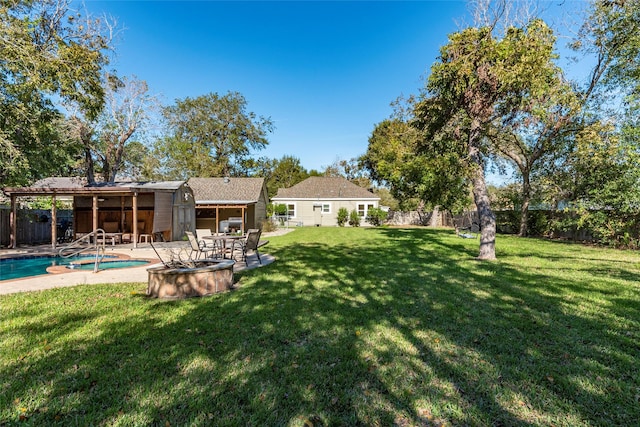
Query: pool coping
point(113, 257)
point(106, 276)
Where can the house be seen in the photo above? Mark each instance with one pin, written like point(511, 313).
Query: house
point(229, 203)
point(316, 200)
point(163, 209)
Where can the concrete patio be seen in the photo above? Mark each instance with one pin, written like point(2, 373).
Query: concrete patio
point(113, 275)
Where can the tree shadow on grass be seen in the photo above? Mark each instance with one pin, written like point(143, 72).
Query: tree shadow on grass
point(384, 327)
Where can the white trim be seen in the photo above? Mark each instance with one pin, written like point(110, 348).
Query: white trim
point(295, 209)
point(367, 206)
point(335, 199)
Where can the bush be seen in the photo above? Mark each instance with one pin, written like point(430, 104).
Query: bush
point(279, 209)
point(267, 225)
point(354, 219)
point(343, 215)
point(376, 216)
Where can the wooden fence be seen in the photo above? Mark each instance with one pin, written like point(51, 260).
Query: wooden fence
point(33, 225)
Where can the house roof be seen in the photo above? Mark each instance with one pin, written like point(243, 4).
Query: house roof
point(322, 187)
point(226, 190)
point(78, 185)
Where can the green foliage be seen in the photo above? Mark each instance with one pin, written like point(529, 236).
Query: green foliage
point(354, 219)
point(386, 198)
point(211, 136)
point(44, 203)
point(285, 172)
point(599, 180)
point(482, 101)
point(611, 34)
point(48, 52)
point(278, 209)
point(376, 216)
point(343, 215)
point(393, 158)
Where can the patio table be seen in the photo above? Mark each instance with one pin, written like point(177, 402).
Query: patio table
point(224, 239)
point(114, 237)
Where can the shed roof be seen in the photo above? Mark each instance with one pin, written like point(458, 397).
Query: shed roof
point(78, 185)
point(226, 190)
point(322, 187)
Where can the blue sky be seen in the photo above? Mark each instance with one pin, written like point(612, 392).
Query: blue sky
point(325, 72)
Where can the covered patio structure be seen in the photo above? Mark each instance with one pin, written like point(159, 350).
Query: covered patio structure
point(220, 201)
point(129, 210)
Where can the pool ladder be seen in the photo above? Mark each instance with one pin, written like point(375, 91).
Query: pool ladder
point(84, 244)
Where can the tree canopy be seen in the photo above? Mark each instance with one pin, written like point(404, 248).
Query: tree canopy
point(211, 135)
point(47, 50)
point(481, 81)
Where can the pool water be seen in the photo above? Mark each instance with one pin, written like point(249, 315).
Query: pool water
point(18, 268)
point(113, 264)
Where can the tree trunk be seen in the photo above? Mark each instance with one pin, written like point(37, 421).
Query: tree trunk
point(524, 210)
point(481, 198)
point(88, 163)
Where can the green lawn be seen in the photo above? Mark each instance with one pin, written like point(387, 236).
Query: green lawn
point(348, 327)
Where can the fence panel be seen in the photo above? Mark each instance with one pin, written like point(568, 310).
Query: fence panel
point(33, 225)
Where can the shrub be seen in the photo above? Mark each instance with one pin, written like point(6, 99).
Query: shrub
point(354, 219)
point(279, 209)
point(376, 216)
point(267, 225)
point(343, 215)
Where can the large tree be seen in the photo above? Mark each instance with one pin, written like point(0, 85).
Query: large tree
point(105, 140)
point(414, 178)
point(596, 171)
point(211, 135)
point(481, 80)
point(610, 37)
point(47, 49)
point(286, 172)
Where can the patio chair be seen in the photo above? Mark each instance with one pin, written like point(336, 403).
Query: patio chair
point(252, 243)
point(175, 259)
point(201, 233)
point(199, 248)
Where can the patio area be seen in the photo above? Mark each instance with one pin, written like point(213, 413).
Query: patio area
point(121, 275)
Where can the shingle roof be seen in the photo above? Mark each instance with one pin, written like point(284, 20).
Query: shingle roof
point(322, 187)
point(75, 184)
point(225, 190)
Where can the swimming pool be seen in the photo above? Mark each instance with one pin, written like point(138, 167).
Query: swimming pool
point(105, 265)
point(27, 266)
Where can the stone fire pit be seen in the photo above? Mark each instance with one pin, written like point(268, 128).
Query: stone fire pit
point(207, 277)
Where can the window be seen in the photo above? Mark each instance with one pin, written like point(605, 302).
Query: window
point(326, 208)
point(363, 209)
point(291, 210)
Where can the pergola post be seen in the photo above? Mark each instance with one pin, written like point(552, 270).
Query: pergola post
point(54, 222)
point(13, 223)
point(134, 204)
point(95, 212)
point(122, 215)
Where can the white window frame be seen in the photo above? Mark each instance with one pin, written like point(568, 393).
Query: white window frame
point(289, 205)
point(362, 213)
point(328, 208)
